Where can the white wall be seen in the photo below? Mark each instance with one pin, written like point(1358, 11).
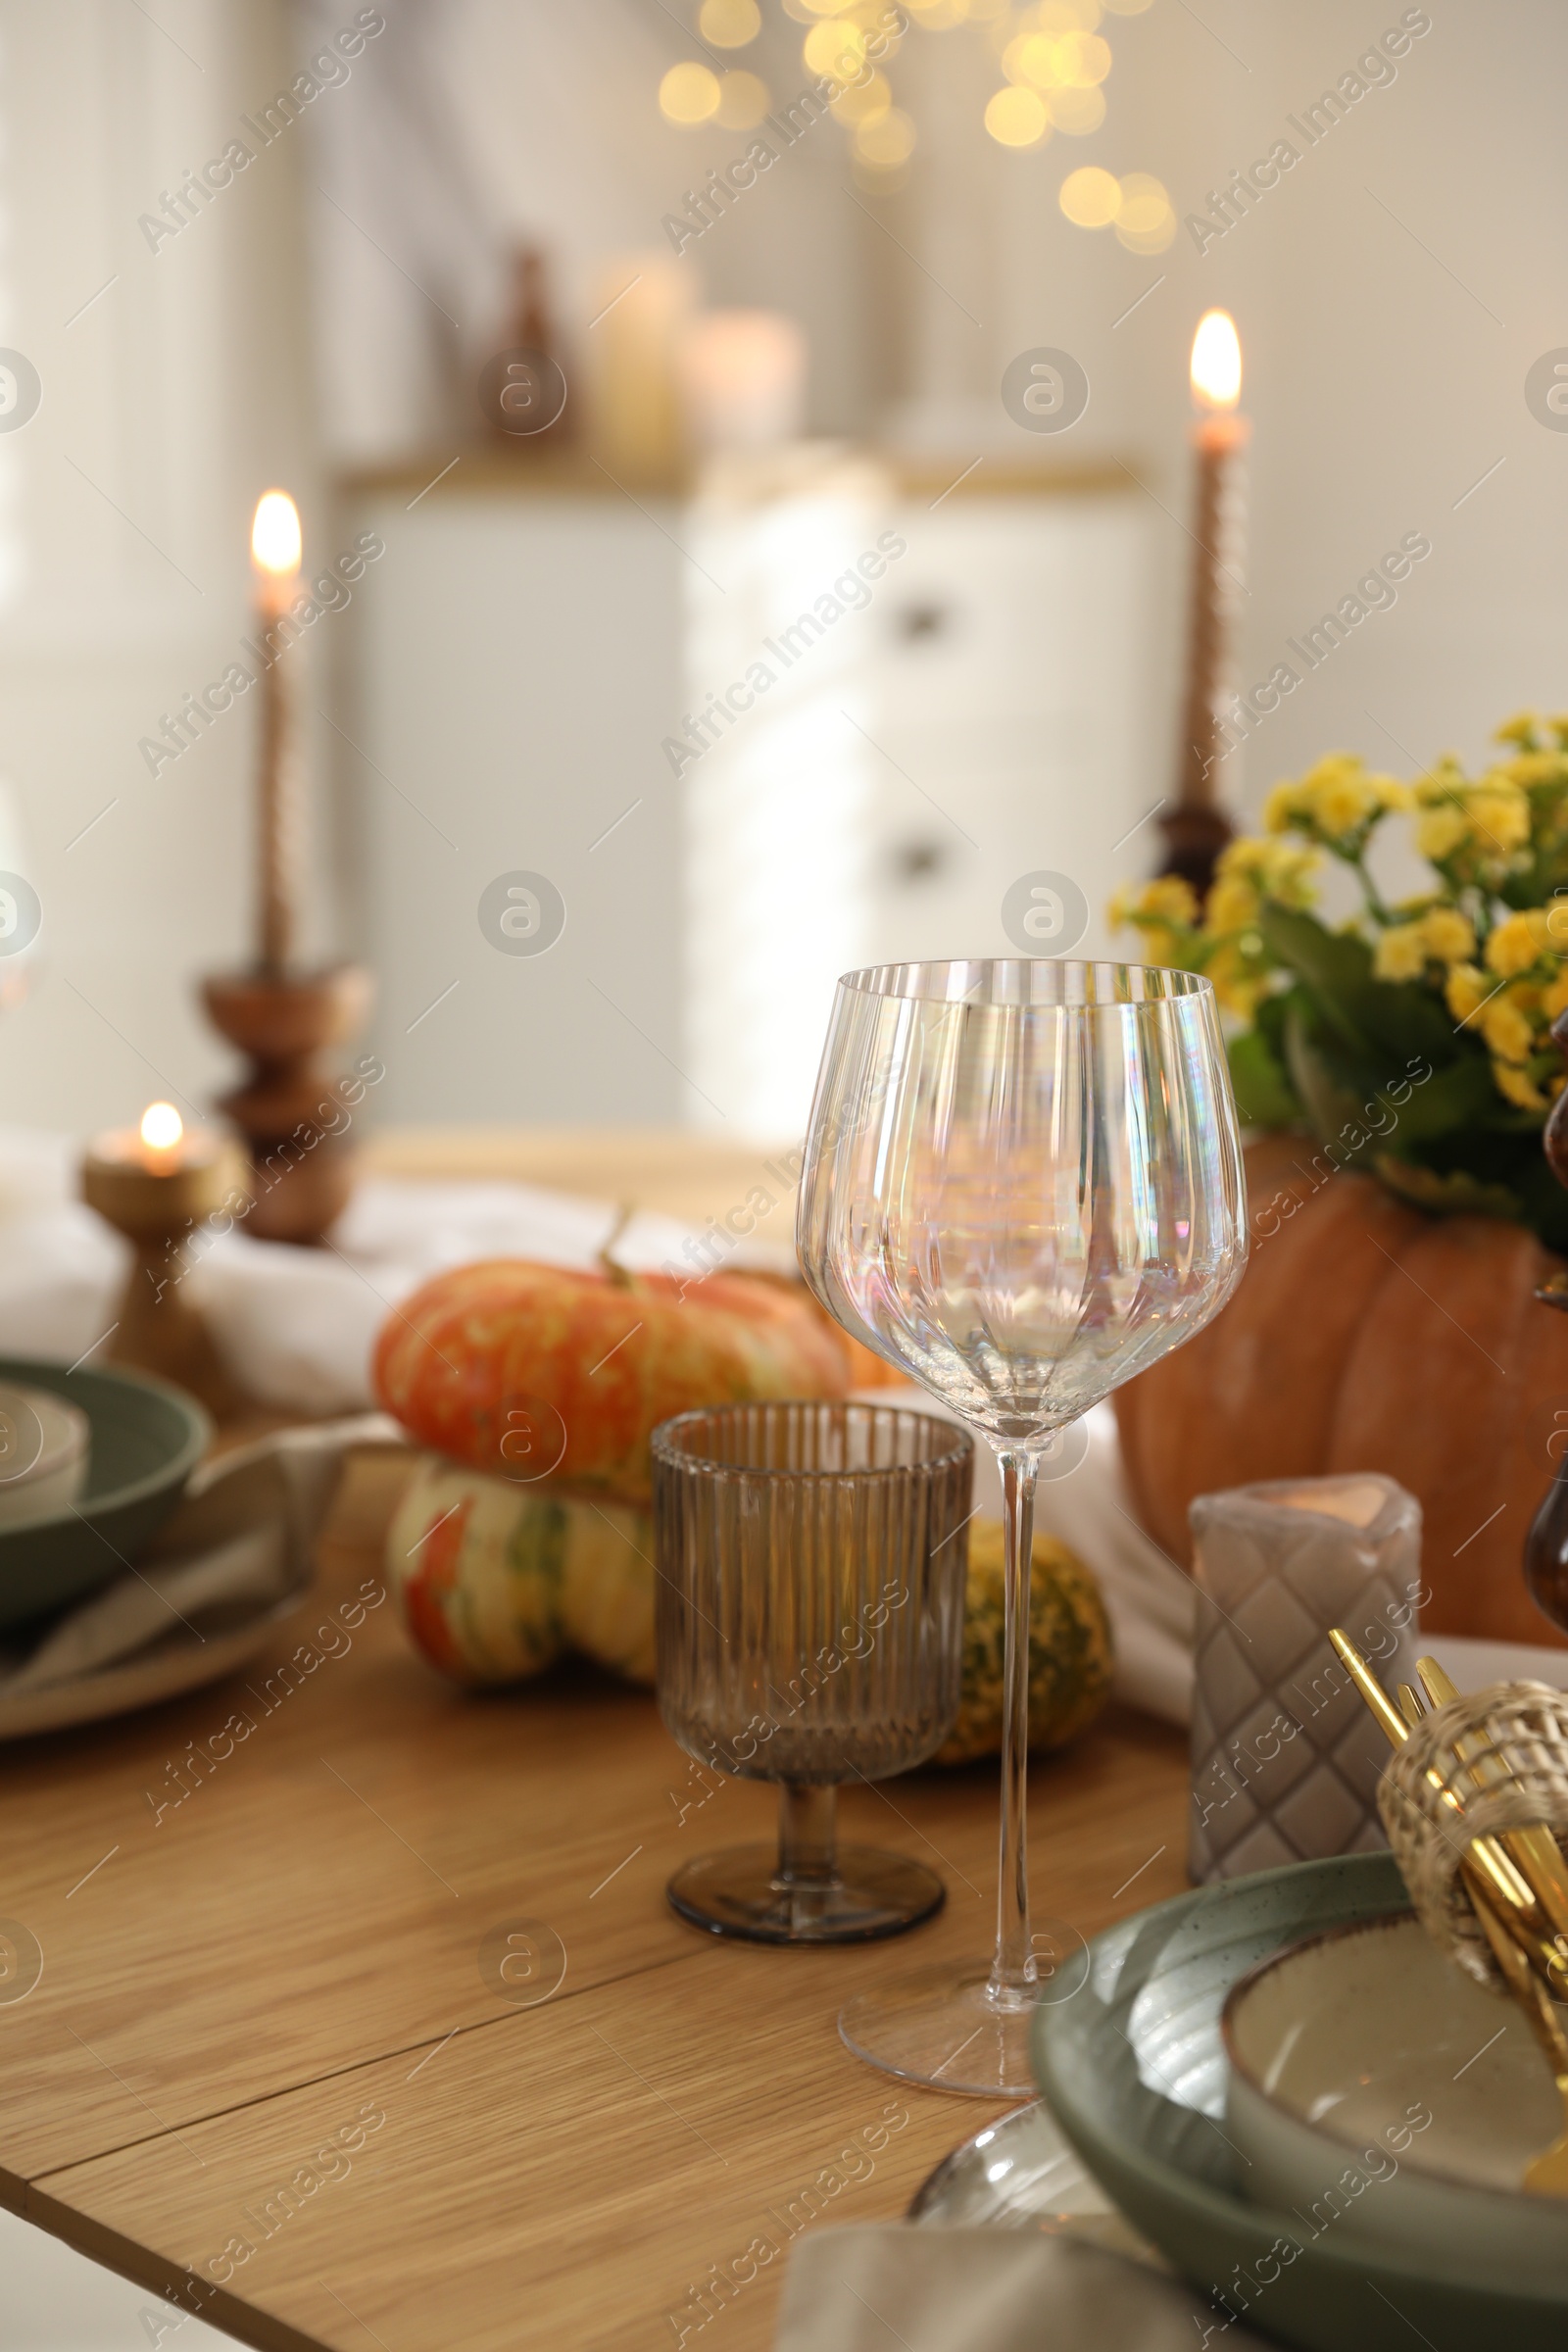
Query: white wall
point(167, 405)
point(1385, 363)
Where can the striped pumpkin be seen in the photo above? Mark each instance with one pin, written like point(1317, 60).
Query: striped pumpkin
point(496, 1580)
point(534, 1371)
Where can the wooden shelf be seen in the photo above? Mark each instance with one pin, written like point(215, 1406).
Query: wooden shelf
point(490, 471)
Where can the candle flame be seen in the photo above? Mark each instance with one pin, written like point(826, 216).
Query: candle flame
point(160, 1127)
point(275, 543)
point(1217, 360)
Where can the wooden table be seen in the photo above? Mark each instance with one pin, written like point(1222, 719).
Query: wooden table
point(271, 2067)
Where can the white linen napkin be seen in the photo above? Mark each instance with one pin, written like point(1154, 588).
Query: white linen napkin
point(241, 1542)
point(294, 1326)
point(865, 2287)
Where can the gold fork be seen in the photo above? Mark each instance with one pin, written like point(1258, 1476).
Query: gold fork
point(1534, 1851)
point(1545, 2175)
point(1513, 1897)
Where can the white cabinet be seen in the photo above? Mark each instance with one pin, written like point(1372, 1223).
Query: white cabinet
point(522, 654)
point(516, 669)
point(1013, 716)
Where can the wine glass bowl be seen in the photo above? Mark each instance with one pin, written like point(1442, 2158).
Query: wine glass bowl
point(1022, 1185)
point(1015, 1188)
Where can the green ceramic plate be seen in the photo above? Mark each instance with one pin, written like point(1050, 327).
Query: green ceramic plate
point(147, 1437)
point(1133, 2069)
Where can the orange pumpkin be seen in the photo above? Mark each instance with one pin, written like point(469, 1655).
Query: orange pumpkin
point(1367, 1336)
point(535, 1371)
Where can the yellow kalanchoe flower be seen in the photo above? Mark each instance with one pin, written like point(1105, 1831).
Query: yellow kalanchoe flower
point(1276, 869)
point(1439, 831)
point(1166, 900)
point(1523, 729)
point(1401, 953)
point(1533, 767)
point(1338, 798)
point(1450, 936)
point(1433, 935)
point(1467, 991)
point(1166, 913)
point(1498, 808)
point(1506, 1028)
point(1519, 942)
point(1518, 1086)
point(1554, 999)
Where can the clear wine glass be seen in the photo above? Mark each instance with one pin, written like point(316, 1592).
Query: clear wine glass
point(1022, 1185)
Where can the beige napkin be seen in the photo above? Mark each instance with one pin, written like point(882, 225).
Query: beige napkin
point(871, 2289)
point(240, 1542)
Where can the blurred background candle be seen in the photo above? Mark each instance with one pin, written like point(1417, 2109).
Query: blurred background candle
point(742, 380)
point(1197, 827)
point(1285, 1757)
point(275, 549)
point(641, 306)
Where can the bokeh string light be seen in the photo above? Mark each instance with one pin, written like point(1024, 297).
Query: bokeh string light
point(1053, 58)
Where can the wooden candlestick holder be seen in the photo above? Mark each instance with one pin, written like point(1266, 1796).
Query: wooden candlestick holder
point(291, 1112)
point(159, 1328)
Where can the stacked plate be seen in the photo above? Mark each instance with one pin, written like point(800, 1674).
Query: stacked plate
point(1339, 2177)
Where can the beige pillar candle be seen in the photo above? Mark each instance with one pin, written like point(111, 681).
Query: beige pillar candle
point(631, 347)
point(742, 380)
point(1285, 1757)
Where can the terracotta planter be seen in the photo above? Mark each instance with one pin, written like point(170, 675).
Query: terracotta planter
point(1366, 1336)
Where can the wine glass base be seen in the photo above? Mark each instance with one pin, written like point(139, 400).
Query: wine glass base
point(941, 2026)
point(740, 1892)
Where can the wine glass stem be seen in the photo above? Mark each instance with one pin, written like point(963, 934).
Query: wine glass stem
point(1012, 1974)
point(808, 1833)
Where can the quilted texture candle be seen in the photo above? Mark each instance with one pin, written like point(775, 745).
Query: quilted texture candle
point(1286, 1759)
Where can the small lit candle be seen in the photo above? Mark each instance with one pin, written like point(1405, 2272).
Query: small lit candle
point(149, 1165)
point(157, 1184)
point(1197, 828)
point(162, 1136)
point(275, 551)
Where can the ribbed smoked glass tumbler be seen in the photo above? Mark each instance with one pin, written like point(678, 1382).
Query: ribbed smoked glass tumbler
point(810, 1618)
point(1022, 1185)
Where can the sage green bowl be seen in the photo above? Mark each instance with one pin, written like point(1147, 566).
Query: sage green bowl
point(1134, 2070)
point(147, 1437)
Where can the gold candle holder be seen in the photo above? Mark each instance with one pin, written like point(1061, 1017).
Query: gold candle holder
point(158, 1186)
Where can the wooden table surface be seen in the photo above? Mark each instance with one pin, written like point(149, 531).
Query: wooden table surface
point(271, 2067)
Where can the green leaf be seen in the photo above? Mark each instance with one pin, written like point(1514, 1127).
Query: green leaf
point(1336, 966)
point(1462, 1096)
point(1265, 1096)
point(1387, 1022)
point(1329, 1086)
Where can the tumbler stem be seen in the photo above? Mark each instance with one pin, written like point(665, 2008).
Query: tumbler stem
point(807, 1835)
point(1012, 1974)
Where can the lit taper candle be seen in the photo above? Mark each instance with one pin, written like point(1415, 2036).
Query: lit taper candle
point(275, 548)
point(1197, 828)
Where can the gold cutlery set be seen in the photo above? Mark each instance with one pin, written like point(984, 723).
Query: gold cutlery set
point(1516, 1879)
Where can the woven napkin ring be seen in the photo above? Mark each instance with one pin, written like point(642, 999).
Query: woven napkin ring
point(1523, 1727)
